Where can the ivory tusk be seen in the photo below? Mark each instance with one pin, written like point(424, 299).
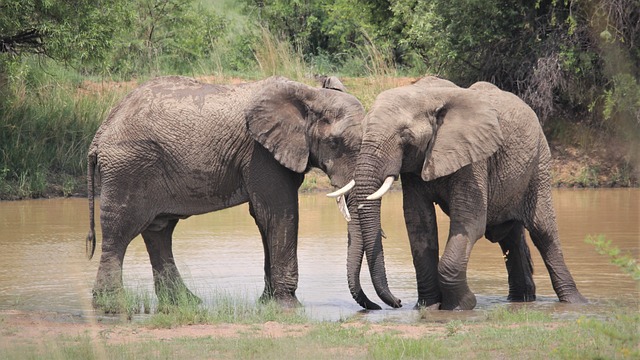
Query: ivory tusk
point(344, 210)
point(343, 190)
point(383, 189)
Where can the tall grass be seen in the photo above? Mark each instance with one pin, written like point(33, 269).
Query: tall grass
point(46, 126)
point(278, 57)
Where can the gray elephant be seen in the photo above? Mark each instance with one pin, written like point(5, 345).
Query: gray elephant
point(175, 147)
point(481, 155)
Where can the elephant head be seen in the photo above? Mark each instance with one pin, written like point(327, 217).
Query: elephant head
point(304, 127)
point(431, 128)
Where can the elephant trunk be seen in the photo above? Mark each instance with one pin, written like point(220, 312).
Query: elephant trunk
point(355, 254)
point(367, 182)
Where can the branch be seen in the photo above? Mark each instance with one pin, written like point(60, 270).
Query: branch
point(30, 39)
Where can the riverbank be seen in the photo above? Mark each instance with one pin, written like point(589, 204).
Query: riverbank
point(502, 333)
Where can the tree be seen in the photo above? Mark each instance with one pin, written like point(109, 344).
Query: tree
point(70, 31)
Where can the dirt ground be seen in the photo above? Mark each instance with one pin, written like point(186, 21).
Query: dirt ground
point(41, 327)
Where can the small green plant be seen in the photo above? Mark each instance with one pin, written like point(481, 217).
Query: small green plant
point(520, 314)
point(588, 176)
point(454, 327)
point(125, 302)
point(624, 260)
point(69, 184)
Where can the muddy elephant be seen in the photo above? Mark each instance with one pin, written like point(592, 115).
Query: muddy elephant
point(481, 155)
point(175, 147)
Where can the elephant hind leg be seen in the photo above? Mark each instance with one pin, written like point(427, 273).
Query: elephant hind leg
point(168, 283)
point(119, 227)
point(515, 250)
point(544, 234)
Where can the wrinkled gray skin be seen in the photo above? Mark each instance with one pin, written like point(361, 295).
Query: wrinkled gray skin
point(175, 147)
point(481, 155)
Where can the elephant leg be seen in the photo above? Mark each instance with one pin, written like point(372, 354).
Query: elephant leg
point(468, 215)
point(119, 227)
point(544, 234)
point(273, 200)
point(518, 261)
point(168, 283)
point(420, 218)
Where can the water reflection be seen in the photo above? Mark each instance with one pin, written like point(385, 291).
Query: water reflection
point(43, 266)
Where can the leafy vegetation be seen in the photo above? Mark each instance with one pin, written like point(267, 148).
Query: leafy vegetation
point(570, 60)
point(624, 260)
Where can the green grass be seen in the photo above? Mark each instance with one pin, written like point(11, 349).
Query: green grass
point(46, 127)
point(501, 335)
point(185, 309)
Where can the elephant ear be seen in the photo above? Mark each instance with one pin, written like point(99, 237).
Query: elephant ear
point(466, 131)
point(276, 118)
point(332, 82)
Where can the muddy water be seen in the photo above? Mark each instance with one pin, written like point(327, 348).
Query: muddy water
point(42, 263)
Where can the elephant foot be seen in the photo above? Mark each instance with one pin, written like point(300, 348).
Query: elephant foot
point(521, 298)
point(427, 304)
point(287, 302)
point(435, 306)
point(175, 298)
point(574, 298)
point(110, 301)
point(465, 302)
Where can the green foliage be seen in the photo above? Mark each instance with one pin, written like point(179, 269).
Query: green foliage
point(624, 260)
point(167, 35)
point(45, 129)
point(577, 60)
point(75, 32)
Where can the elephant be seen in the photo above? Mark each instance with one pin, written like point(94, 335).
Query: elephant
point(481, 155)
point(175, 147)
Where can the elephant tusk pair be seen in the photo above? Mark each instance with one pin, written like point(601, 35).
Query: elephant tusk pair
point(383, 189)
point(375, 196)
point(342, 204)
point(343, 190)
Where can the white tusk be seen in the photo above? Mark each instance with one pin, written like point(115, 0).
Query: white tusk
point(342, 205)
point(343, 190)
point(383, 189)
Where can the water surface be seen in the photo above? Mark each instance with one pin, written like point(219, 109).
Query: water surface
point(43, 266)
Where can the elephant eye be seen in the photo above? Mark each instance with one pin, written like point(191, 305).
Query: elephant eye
point(333, 143)
point(407, 136)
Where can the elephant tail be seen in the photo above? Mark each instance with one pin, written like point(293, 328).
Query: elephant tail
point(91, 237)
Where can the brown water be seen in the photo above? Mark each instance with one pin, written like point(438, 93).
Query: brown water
point(43, 266)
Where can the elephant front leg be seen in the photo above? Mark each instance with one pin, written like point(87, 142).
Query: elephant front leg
point(420, 219)
point(468, 215)
point(452, 274)
point(273, 203)
point(169, 286)
point(279, 239)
